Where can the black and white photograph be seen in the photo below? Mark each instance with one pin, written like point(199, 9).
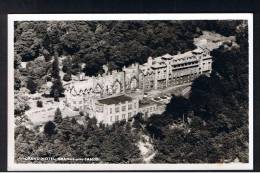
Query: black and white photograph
point(130, 91)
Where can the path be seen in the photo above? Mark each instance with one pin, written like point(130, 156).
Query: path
point(146, 149)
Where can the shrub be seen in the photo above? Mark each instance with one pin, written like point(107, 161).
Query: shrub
point(67, 77)
point(39, 104)
point(49, 128)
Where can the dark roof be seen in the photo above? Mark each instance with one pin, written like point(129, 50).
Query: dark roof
point(115, 100)
point(147, 102)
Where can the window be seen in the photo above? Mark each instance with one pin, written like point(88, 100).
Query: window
point(111, 110)
point(123, 108)
point(135, 105)
point(111, 119)
point(129, 115)
point(117, 109)
point(130, 107)
point(74, 102)
point(117, 117)
point(80, 102)
point(123, 116)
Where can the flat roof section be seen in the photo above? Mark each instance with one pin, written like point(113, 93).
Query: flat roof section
point(115, 100)
point(148, 102)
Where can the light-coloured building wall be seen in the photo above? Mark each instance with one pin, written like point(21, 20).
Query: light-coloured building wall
point(110, 113)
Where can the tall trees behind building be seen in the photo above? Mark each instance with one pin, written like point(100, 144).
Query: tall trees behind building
point(95, 43)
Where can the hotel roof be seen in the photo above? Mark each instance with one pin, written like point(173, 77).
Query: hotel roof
point(148, 102)
point(167, 56)
point(115, 100)
point(183, 55)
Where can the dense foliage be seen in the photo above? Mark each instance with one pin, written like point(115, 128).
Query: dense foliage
point(67, 138)
point(89, 45)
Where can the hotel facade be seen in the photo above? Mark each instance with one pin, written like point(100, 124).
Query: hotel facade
point(119, 95)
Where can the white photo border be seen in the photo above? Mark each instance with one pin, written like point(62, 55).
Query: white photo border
point(12, 166)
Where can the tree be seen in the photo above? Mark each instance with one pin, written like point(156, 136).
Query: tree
point(46, 55)
point(39, 103)
point(178, 107)
point(55, 68)
point(57, 89)
point(17, 60)
point(49, 128)
point(17, 81)
point(26, 44)
point(32, 86)
point(138, 121)
point(81, 113)
point(67, 64)
point(113, 149)
point(58, 116)
point(73, 120)
point(71, 42)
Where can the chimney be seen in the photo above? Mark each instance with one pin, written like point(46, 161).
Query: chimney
point(105, 68)
point(150, 61)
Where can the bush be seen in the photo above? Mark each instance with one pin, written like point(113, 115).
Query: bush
point(58, 116)
point(67, 77)
point(49, 128)
point(39, 104)
point(32, 86)
point(81, 113)
point(48, 78)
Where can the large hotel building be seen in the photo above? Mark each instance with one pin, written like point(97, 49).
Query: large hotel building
point(119, 95)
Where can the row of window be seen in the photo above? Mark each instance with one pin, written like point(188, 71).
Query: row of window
point(173, 70)
point(123, 108)
point(182, 77)
point(185, 59)
point(185, 64)
point(208, 63)
point(175, 74)
point(122, 117)
point(148, 110)
point(164, 71)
